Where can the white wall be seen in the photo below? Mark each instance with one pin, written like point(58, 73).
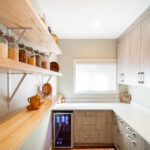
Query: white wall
point(140, 95)
point(28, 88)
point(40, 139)
point(82, 49)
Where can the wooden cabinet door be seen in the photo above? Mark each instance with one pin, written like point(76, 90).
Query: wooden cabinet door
point(115, 137)
point(123, 57)
point(146, 146)
point(120, 77)
point(135, 54)
point(145, 51)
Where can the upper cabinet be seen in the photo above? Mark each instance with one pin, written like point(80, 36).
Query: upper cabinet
point(134, 55)
point(123, 60)
point(21, 14)
point(145, 51)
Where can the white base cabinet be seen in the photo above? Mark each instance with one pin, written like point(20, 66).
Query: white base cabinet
point(125, 138)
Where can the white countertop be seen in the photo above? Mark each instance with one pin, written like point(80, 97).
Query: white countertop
point(134, 115)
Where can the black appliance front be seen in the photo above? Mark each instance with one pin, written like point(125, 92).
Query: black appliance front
point(62, 129)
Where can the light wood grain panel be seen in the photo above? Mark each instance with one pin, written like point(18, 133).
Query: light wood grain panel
point(145, 51)
point(16, 127)
point(135, 54)
point(11, 66)
point(101, 122)
point(20, 13)
point(123, 63)
point(86, 113)
point(99, 129)
point(88, 123)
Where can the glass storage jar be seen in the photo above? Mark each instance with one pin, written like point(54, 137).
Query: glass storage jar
point(31, 56)
point(3, 45)
point(22, 53)
point(37, 58)
point(45, 61)
point(48, 62)
point(28, 52)
point(13, 49)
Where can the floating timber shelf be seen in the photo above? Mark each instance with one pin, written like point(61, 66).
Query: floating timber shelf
point(16, 127)
point(21, 14)
point(13, 67)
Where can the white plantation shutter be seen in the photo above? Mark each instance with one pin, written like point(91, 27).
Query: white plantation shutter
point(95, 76)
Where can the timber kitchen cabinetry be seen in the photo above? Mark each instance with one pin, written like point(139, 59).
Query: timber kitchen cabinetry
point(105, 128)
point(123, 60)
point(133, 55)
point(93, 127)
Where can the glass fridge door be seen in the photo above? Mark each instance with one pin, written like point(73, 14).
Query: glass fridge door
point(62, 129)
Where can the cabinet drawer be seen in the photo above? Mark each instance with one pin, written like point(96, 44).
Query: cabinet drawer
point(86, 113)
point(100, 113)
point(89, 136)
point(88, 122)
point(121, 125)
point(134, 144)
point(132, 133)
point(101, 123)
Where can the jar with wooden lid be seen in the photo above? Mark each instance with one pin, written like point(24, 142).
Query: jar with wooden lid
point(37, 58)
point(45, 61)
point(13, 48)
point(31, 56)
point(3, 45)
point(22, 53)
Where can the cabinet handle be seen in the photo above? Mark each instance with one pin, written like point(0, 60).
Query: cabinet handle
point(88, 123)
point(122, 77)
point(130, 130)
point(139, 77)
point(142, 77)
point(119, 132)
point(130, 139)
point(88, 114)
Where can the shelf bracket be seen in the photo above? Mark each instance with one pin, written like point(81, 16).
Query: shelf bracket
point(21, 35)
point(49, 78)
point(15, 90)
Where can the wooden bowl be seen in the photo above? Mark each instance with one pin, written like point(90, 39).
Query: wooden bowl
point(54, 66)
point(47, 89)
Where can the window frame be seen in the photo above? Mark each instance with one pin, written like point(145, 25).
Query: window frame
point(92, 61)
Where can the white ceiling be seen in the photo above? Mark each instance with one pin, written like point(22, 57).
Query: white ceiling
point(91, 19)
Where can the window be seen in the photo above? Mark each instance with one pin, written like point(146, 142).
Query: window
point(95, 76)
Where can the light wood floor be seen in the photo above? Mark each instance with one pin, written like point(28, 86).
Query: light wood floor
point(96, 149)
point(88, 149)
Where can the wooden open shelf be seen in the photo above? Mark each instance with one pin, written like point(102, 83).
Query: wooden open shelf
point(11, 66)
point(16, 127)
point(21, 14)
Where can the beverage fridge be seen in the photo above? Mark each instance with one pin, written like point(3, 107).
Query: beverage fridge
point(62, 129)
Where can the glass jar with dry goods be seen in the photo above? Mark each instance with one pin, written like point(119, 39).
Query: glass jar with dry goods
point(13, 48)
point(22, 53)
point(37, 58)
point(45, 61)
point(3, 45)
point(31, 56)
